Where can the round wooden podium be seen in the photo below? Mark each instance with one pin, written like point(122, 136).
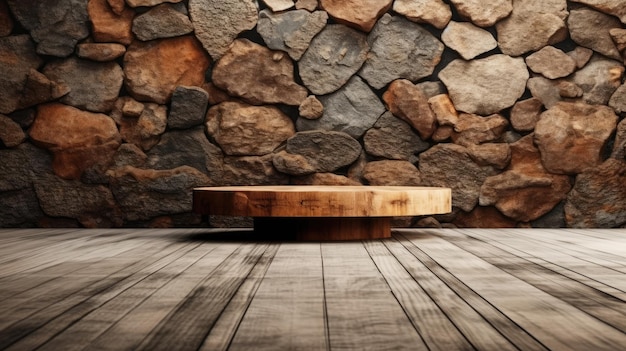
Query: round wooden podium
point(308, 212)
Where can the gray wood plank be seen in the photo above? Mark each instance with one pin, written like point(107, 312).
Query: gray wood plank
point(188, 325)
point(287, 312)
point(438, 332)
point(361, 309)
point(547, 318)
point(484, 325)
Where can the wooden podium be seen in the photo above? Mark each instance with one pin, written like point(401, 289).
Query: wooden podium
point(311, 212)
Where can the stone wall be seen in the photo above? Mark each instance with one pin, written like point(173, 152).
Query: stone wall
point(111, 111)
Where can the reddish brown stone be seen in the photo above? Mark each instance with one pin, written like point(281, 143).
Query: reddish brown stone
point(78, 139)
point(408, 102)
point(483, 217)
point(108, 25)
point(6, 22)
point(154, 69)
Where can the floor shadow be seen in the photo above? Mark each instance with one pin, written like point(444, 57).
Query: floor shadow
point(236, 235)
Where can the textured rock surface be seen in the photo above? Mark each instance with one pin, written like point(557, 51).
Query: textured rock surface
point(360, 14)
point(317, 151)
point(335, 55)
point(532, 25)
point(218, 22)
point(242, 129)
point(599, 197)
point(258, 75)
point(56, 26)
point(352, 109)
point(400, 49)
point(528, 130)
point(434, 12)
point(392, 173)
point(571, 136)
point(483, 13)
point(467, 39)
point(485, 86)
point(290, 31)
point(93, 86)
point(408, 102)
point(154, 69)
point(78, 139)
point(394, 139)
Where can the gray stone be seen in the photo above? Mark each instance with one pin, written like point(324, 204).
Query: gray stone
point(242, 129)
point(317, 151)
point(598, 199)
point(93, 206)
point(39, 89)
point(251, 170)
point(483, 13)
point(599, 79)
point(352, 109)
point(188, 147)
point(143, 194)
point(218, 22)
point(20, 208)
point(393, 139)
point(551, 62)
point(435, 12)
point(11, 134)
point(94, 86)
point(21, 165)
point(258, 75)
point(618, 99)
point(392, 173)
point(545, 90)
point(333, 57)
point(452, 166)
point(610, 7)
point(188, 107)
point(485, 86)
point(17, 53)
point(129, 155)
point(591, 28)
point(162, 21)
point(400, 49)
point(290, 31)
point(572, 136)
point(532, 25)
point(56, 26)
point(467, 39)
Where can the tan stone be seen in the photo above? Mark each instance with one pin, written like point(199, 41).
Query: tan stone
point(392, 173)
point(571, 136)
point(78, 139)
point(444, 110)
point(100, 51)
point(525, 114)
point(360, 14)
point(475, 129)
point(311, 108)
point(434, 12)
point(258, 75)
point(154, 69)
point(108, 25)
point(551, 62)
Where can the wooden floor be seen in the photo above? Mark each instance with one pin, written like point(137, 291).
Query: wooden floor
point(424, 289)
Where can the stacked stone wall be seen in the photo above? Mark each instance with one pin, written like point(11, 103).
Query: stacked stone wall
point(111, 111)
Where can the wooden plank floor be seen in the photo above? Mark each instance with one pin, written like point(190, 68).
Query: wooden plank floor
point(208, 289)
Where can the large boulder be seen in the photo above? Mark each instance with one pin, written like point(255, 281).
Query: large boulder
point(400, 49)
point(56, 26)
point(317, 151)
point(154, 69)
point(242, 129)
point(353, 109)
point(598, 199)
point(571, 136)
point(485, 86)
point(258, 75)
point(333, 57)
point(78, 139)
point(218, 22)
